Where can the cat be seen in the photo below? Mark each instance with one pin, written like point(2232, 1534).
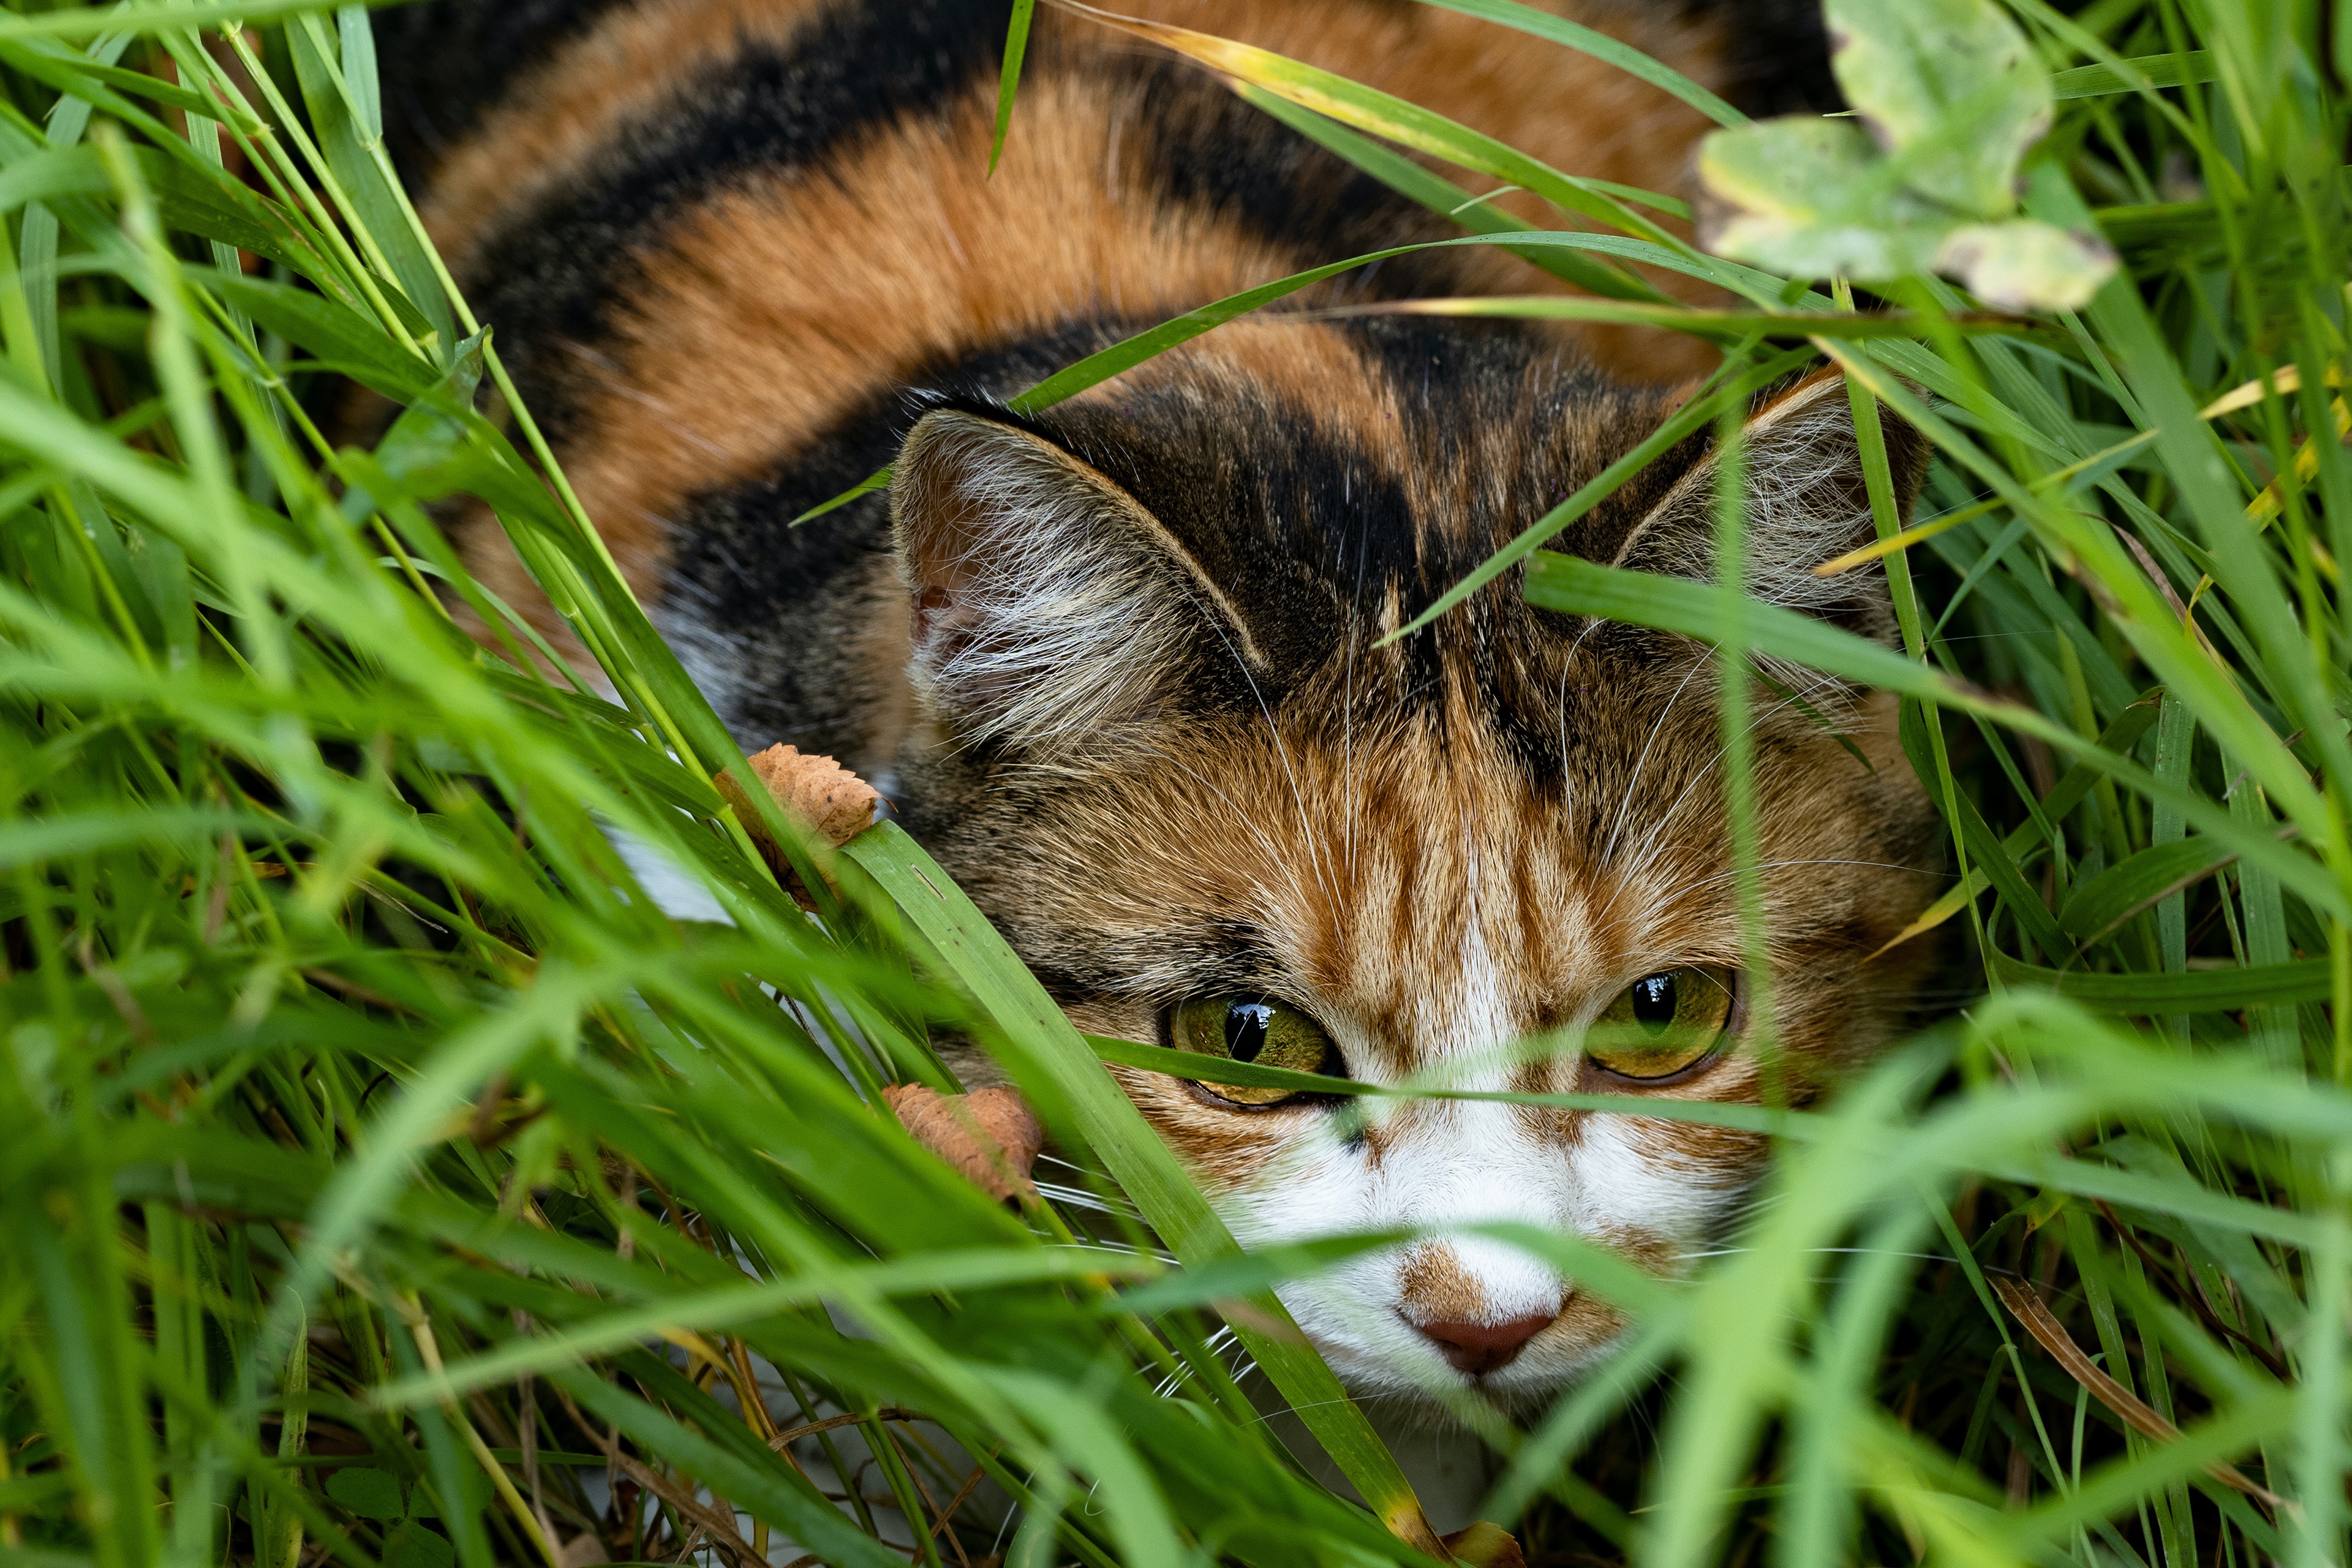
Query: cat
point(1121, 664)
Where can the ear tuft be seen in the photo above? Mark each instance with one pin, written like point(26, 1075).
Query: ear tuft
point(1807, 503)
point(1048, 605)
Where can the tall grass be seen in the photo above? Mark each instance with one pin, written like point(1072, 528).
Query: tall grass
point(383, 1177)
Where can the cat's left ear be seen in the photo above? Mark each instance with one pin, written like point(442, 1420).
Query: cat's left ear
point(1807, 503)
point(1050, 606)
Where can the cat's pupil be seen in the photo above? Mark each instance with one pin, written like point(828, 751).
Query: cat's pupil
point(1245, 1026)
point(1653, 1000)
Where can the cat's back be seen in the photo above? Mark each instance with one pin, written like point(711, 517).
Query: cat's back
point(813, 174)
point(719, 239)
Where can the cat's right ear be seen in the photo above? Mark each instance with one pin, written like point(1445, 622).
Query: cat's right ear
point(1048, 606)
point(1807, 502)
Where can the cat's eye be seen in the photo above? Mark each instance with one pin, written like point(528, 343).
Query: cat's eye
point(1257, 1030)
point(1664, 1023)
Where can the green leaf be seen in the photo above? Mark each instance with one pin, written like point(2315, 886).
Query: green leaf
point(1692, 415)
point(1950, 87)
point(415, 1545)
point(131, 20)
point(338, 107)
point(1199, 1069)
point(328, 329)
point(369, 1493)
point(1600, 46)
point(24, 842)
point(154, 88)
point(1809, 197)
point(717, 1311)
point(1246, 1274)
point(1398, 119)
point(1729, 326)
point(2069, 791)
point(2197, 991)
point(1128, 353)
point(777, 1493)
point(2151, 71)
point(1017, 45)
point(2098, 906)
point(1950, 97)
point(1988, 855)
point(223, 209)
point(2112, 1488)
point(2027, 265)
point(1480, 214)
point(358, 71)
point(56, 172)
point(1045, 1050)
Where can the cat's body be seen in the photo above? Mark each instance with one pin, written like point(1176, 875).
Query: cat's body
point(1120, 661)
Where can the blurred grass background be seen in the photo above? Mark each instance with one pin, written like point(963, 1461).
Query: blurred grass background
point(383, 1178)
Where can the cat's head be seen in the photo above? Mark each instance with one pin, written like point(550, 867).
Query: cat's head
point(1171, 754)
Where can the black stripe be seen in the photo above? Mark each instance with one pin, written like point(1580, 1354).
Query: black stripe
point(736, 568)
point(551, 271)
point(1211, 150)
point(445, 63)
point(1232, 468)
point(1309, 534)
point(1780, 56)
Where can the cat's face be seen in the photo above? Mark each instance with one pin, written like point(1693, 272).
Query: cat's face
point(1171, 762)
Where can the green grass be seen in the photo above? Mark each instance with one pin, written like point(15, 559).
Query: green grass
point(378, 1169)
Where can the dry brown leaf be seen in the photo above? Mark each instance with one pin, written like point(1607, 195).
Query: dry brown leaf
point(990, 1135)
point(2052, 1335)
point(834, 802)
point(1485, 1545)
point(583, 1551)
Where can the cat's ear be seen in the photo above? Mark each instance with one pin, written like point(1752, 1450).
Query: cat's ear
point(1048, 605)
point(1807, 503)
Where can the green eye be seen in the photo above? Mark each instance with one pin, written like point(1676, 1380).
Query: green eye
point(1257, 1030)
point(1664, 1023)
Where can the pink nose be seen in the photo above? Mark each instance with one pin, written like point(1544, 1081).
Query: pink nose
point(1477, 1348)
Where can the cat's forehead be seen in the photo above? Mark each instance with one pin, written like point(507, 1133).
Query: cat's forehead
point(1430, 892)
point(1383, 455)
point(1405, 869)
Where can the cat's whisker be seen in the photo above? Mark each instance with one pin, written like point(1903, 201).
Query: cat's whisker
point(1348, 699)
point(1625, 800)
point(1080, 1198)
point(1215, 1344)
point(1666, 819)
point(1288, 1409)
point(1272, 852)
point(1308, 837)
point(1756, 720)
point(1567, 779)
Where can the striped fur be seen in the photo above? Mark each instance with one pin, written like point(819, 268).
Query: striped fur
point(1122, 661)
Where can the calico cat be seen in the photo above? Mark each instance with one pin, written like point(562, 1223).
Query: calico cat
point(1120, 664)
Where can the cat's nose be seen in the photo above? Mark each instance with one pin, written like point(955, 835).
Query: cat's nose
point(1477, 1348)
